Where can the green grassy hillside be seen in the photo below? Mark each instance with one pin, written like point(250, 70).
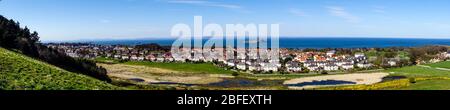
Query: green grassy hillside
point(18, 72)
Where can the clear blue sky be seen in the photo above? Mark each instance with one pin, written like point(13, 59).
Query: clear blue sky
point(59, 20)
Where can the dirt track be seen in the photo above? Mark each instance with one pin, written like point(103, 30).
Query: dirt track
point(361, 78)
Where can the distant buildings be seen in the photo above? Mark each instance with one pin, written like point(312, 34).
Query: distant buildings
point(243, 59)
point(293, 66)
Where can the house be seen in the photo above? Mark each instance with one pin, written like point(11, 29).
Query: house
point(179, 58)
point(160, 58)
point(117, 56)
point(168, 57)
point(293, 67)
point(231, 62)
point(364, 65)
point(140, 58)
point(320, 58)
point(321, 64)
point(125, 57)
point(331, 53)
point(241, 56)
point(313, 68)
point(340, 63)
point(74, 55)
point(302, 59)
point(221, 60)
point(308, 63)
point(270, 67)
point(134, 57)
point(108, 55)
point(357, 55)
point(331, 67)
point(150, 58)
point(392, 63)
point(241, 66)
point(347, 66)
point(254, 67)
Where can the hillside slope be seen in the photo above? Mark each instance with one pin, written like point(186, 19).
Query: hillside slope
point(18, 72)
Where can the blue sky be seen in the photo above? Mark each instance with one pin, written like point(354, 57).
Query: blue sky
point(60, 20)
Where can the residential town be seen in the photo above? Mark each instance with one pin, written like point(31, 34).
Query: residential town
point(242, 59)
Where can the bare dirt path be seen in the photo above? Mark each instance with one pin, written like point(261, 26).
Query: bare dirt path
point(360, 78)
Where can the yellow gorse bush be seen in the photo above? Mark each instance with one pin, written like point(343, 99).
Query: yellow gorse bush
point(386, 85)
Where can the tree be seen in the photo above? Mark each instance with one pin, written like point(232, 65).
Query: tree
point(18, 39)
point(324, 72)
point(235, 74)
point(416, 54)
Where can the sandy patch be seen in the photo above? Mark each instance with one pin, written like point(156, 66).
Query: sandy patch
point(158, 75)
point(360, 78)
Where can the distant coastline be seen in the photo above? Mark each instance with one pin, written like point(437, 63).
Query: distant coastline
point(304, 42)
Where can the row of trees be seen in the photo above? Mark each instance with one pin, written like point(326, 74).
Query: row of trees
point(18, 39)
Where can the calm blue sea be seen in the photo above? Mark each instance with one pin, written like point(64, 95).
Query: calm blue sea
point(310, 42)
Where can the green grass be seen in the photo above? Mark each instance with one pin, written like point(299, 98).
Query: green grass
point(106, 60)
point(374, 53)
point(445, 64)
point(429, 85)
point(204, 68)
point(403, 55)
point(417, 71)
point(18, 72)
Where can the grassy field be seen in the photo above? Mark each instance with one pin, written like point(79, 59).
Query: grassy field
point(106, 60)
point(400, 54)
point(418, 71)
point(431, 71)
point(18, 72)
point(429, 85)
point(445, 64)
point(202, 68)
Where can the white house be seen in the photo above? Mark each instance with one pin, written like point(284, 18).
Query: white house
point(347, 66)
point(331, 53)
point(313, 67)
point(134, 57)
point(160, 59)
point(231, 63)
point(293, 67)
point(117, 56)
point(306, 64)
point(364, 65)
point(269, 67)
point(331, 67)
point(321, 64)
point(241, 66)
point(357, 55)
point(141, 58)
point(125, 57)
point(392, 63)
point(254, 67)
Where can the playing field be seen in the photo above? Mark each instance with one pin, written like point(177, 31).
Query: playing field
point(204, 68)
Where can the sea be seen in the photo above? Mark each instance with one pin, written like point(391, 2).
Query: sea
point(306, 42)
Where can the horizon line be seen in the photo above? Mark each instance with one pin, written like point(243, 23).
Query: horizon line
point(166, 38)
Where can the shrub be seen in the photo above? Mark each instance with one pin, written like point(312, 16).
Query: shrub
point(412, 80)
point(235, 74)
